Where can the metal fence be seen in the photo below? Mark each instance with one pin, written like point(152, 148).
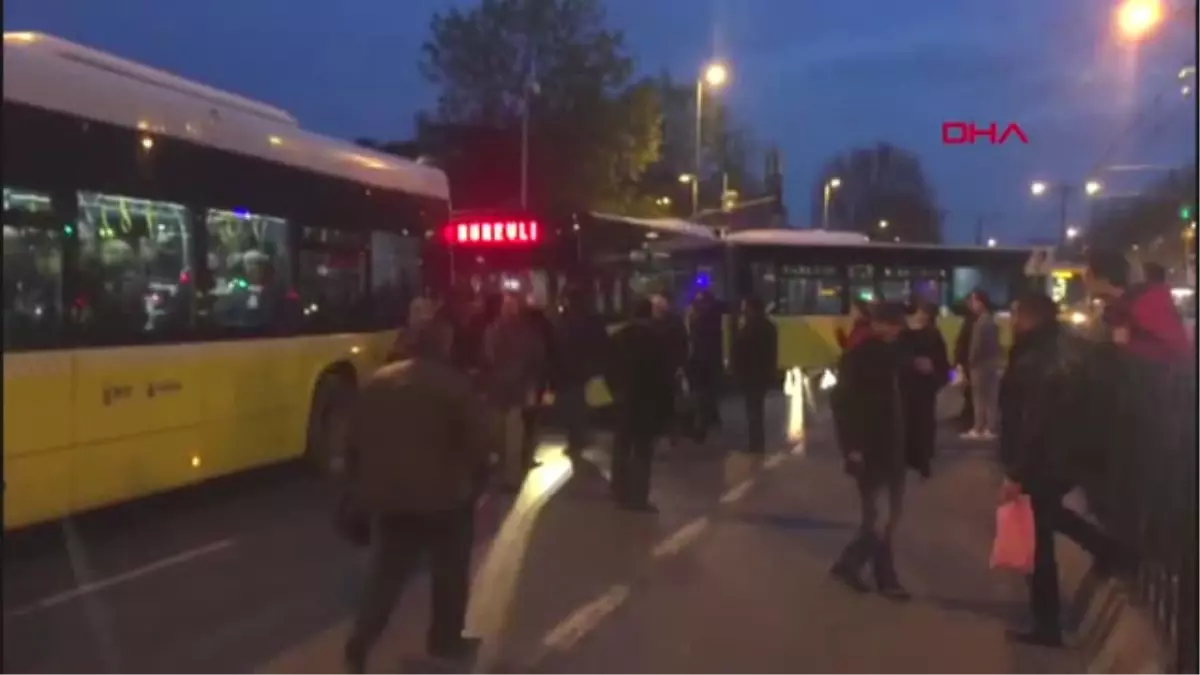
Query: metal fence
point(1147, 498)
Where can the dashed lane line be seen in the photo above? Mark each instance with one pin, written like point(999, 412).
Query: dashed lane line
point(681, 538)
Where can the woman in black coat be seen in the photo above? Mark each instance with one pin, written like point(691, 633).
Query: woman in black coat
point(930, 371)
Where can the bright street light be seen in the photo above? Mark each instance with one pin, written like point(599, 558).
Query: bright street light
point(1072, 232)
point(991, 243)
point(663, 201)
point(883, 224)
point(1037, 188)
point(830, 185)
point(1137, 18)
point(1092, 187)
point(716, 74)
point(685, 177)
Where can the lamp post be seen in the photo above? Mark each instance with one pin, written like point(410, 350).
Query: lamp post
point(714, 75)
point(830, 185)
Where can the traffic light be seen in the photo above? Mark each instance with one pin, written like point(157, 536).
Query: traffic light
point(1185, 212)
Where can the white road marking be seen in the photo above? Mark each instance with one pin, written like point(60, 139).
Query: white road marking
point(737, 492)
point(680, 538)
point(102, 584)
point(799, 448)
point(585, 619)
point(775, 461)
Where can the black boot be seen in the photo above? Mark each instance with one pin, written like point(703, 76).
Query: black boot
point(884, 569)
point(847, 569)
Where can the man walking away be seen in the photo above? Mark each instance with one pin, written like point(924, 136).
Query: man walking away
point(706, 359)
point(673, 332)
point(420, 488)
point(869, 419)
point(1044, 450)
point(514, 358)
point(643, 392)
point(755, 355)
point(543, 331)
point(962, 353)
point(583, 341)
point(984, 359)
point(921, 384)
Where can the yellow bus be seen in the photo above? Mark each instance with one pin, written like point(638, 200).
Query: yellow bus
point(193, 284)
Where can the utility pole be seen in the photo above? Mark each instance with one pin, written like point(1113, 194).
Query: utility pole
point(979, 231)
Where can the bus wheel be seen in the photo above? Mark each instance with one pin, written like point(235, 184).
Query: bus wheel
point(328, 422)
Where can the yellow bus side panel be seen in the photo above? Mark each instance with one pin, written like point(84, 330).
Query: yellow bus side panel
point(95, 427)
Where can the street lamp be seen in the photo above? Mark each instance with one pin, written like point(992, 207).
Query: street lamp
point(1072, 232)
point(686, 178)
point(715, 75)
point(1037, 188)
point(830, 185)
point(883, 224)
point(991, 242)
point(1137, 18)
point(1092, 187)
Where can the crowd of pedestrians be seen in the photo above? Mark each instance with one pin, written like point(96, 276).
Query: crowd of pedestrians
point(468, 385)
point(474, 375)
point(1069, 412)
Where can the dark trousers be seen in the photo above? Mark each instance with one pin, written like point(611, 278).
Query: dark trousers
point(632, 461)
point(1050, 516)
point(756, 424)
point(531, 418)
point(399, 544)
point(704, 383)
point(572, 405)
point(920, 430)
point(966, 418)
point(872, 544)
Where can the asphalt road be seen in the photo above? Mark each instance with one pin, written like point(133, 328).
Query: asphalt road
point(729, 576)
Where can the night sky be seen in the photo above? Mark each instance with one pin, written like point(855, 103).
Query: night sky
point(813, 77)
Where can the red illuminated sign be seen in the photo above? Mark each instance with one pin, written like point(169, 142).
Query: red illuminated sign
point(496, 232)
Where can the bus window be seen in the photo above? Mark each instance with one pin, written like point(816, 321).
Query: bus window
point(996, 283)
point(807, 289)
point(903, 284)
point(862, 282)
point(395, 276)
point(764, 284)
point(133, 267)
point(248, 263)
point(332, 278)
point(32, 271)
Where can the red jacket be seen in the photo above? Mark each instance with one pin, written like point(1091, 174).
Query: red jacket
point(859, 332)
point(1156, 331)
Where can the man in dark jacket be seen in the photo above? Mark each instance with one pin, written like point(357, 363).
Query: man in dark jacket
point(1045, 399)
point(673, 332)
point(583, 347)
point(706, 361)
point(869, 419)
point(420, 489)
point(920, 385)
point(642, 386)
point(755, 354)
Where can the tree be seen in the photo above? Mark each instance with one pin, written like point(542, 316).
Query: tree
point(879, 184)
point(593, 132)
point(1152, 224)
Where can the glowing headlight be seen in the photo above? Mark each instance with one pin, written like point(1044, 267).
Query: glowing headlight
point(828, 380)
point(1078, 318)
